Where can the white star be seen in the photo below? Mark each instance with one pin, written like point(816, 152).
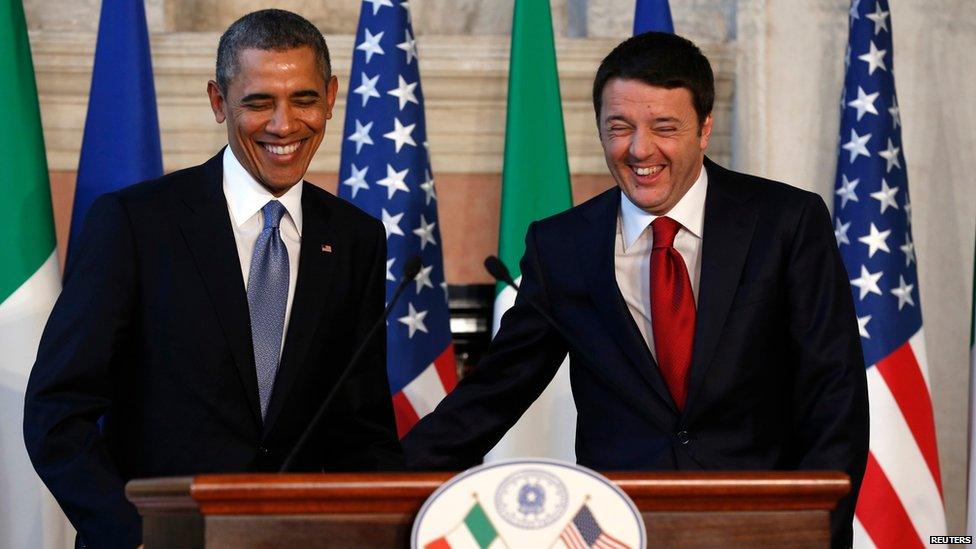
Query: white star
point(903, 292)
point(389, 264)
point(447, 297)
point(874, 58)
point(854, 7)
point(371, 45)
point(425, 232)
point(361, 136)
point(392, 223)
point(908, 248)
point(428, 188)
point(423, 278)
point(862, 326)
point(394, 181)
point(409, 46)
point(406, 5)
point(357, 180)
point(886, 196)
point(868, 282)
point(846, 190)
point(875, 240)
point(414, 320)
point(847, 59)
point(891, 156)
point(840, 232)
point(404, 92)
point(895, 112)
point(401, 134)
point(864, 103)
point(367, 87)
point(880, 19)
point(857, 145)
point(908, 210)
point(378, 3)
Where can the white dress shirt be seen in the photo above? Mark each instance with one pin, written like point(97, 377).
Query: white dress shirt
point(632, 250)
point(245, 198)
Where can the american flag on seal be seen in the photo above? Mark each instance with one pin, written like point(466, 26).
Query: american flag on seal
point(900, 503)
point(385, 170)
point(584, 532)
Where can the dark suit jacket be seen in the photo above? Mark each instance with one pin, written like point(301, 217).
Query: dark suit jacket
point(146, 365)
point(777, 377)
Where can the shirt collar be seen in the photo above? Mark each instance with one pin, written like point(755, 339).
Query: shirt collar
point(245, 196)
point(689, 212)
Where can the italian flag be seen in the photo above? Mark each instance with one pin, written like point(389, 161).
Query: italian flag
point(476, 531)
point(29, 284)
point(535, 184)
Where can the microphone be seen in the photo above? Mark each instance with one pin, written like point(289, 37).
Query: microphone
point(499, 271)
point(410, 270)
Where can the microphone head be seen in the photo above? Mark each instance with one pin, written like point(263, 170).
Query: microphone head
point(498, 270)
point(411, 268)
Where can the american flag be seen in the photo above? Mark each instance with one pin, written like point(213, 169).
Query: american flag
point(385, 170)
point(900, 503)
point(583, 532)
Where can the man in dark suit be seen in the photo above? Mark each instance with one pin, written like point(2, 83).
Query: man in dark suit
point(707, 314)
point(206, 315)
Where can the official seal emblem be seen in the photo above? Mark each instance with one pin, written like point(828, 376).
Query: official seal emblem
point(531, 499)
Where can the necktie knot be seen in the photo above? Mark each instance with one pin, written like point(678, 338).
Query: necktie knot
point(273, 212)
point(665, 230)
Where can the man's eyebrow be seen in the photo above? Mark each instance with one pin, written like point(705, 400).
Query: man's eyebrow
point(305, 93)
point(267, 97)
point(256, 97)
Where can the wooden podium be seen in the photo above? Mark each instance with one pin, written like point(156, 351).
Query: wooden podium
point(768, 509)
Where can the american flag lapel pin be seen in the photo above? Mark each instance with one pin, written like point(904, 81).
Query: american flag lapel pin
point(327, 248)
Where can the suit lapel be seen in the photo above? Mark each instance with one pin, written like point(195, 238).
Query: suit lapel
point(316, 270)
point(729, 224)
point(206, 226)
point(602, 280)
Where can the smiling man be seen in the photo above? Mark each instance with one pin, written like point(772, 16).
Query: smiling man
point(207, 314)
point(707, 314)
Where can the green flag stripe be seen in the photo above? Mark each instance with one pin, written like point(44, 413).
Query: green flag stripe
point(480, 526)
point(535, 178)
point(26, 229)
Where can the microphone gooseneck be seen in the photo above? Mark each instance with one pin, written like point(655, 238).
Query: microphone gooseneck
point(410, 270)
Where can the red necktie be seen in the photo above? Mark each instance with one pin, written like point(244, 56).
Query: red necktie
point(672, 309)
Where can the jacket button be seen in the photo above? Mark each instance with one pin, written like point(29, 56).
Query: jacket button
point(683, 437)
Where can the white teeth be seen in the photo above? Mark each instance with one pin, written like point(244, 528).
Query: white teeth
point(647, 171)
point(286, 149)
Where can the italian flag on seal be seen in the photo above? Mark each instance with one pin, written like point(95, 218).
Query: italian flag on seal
point(476, 532)
point(29, 284)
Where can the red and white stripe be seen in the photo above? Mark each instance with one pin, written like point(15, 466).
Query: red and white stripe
point(900, 503)
point(419, 397)
point(572, 539)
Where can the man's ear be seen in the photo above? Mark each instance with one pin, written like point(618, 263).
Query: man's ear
point(217, 102)
point(331, 91)
point(705, 132)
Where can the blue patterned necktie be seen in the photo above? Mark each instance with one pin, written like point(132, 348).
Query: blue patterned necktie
point(267, 296)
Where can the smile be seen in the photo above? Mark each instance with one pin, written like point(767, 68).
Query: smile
point(282, 149)
point(650, 170)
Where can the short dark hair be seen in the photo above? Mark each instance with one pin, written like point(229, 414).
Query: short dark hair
point(270, 30)
point(660, 59)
